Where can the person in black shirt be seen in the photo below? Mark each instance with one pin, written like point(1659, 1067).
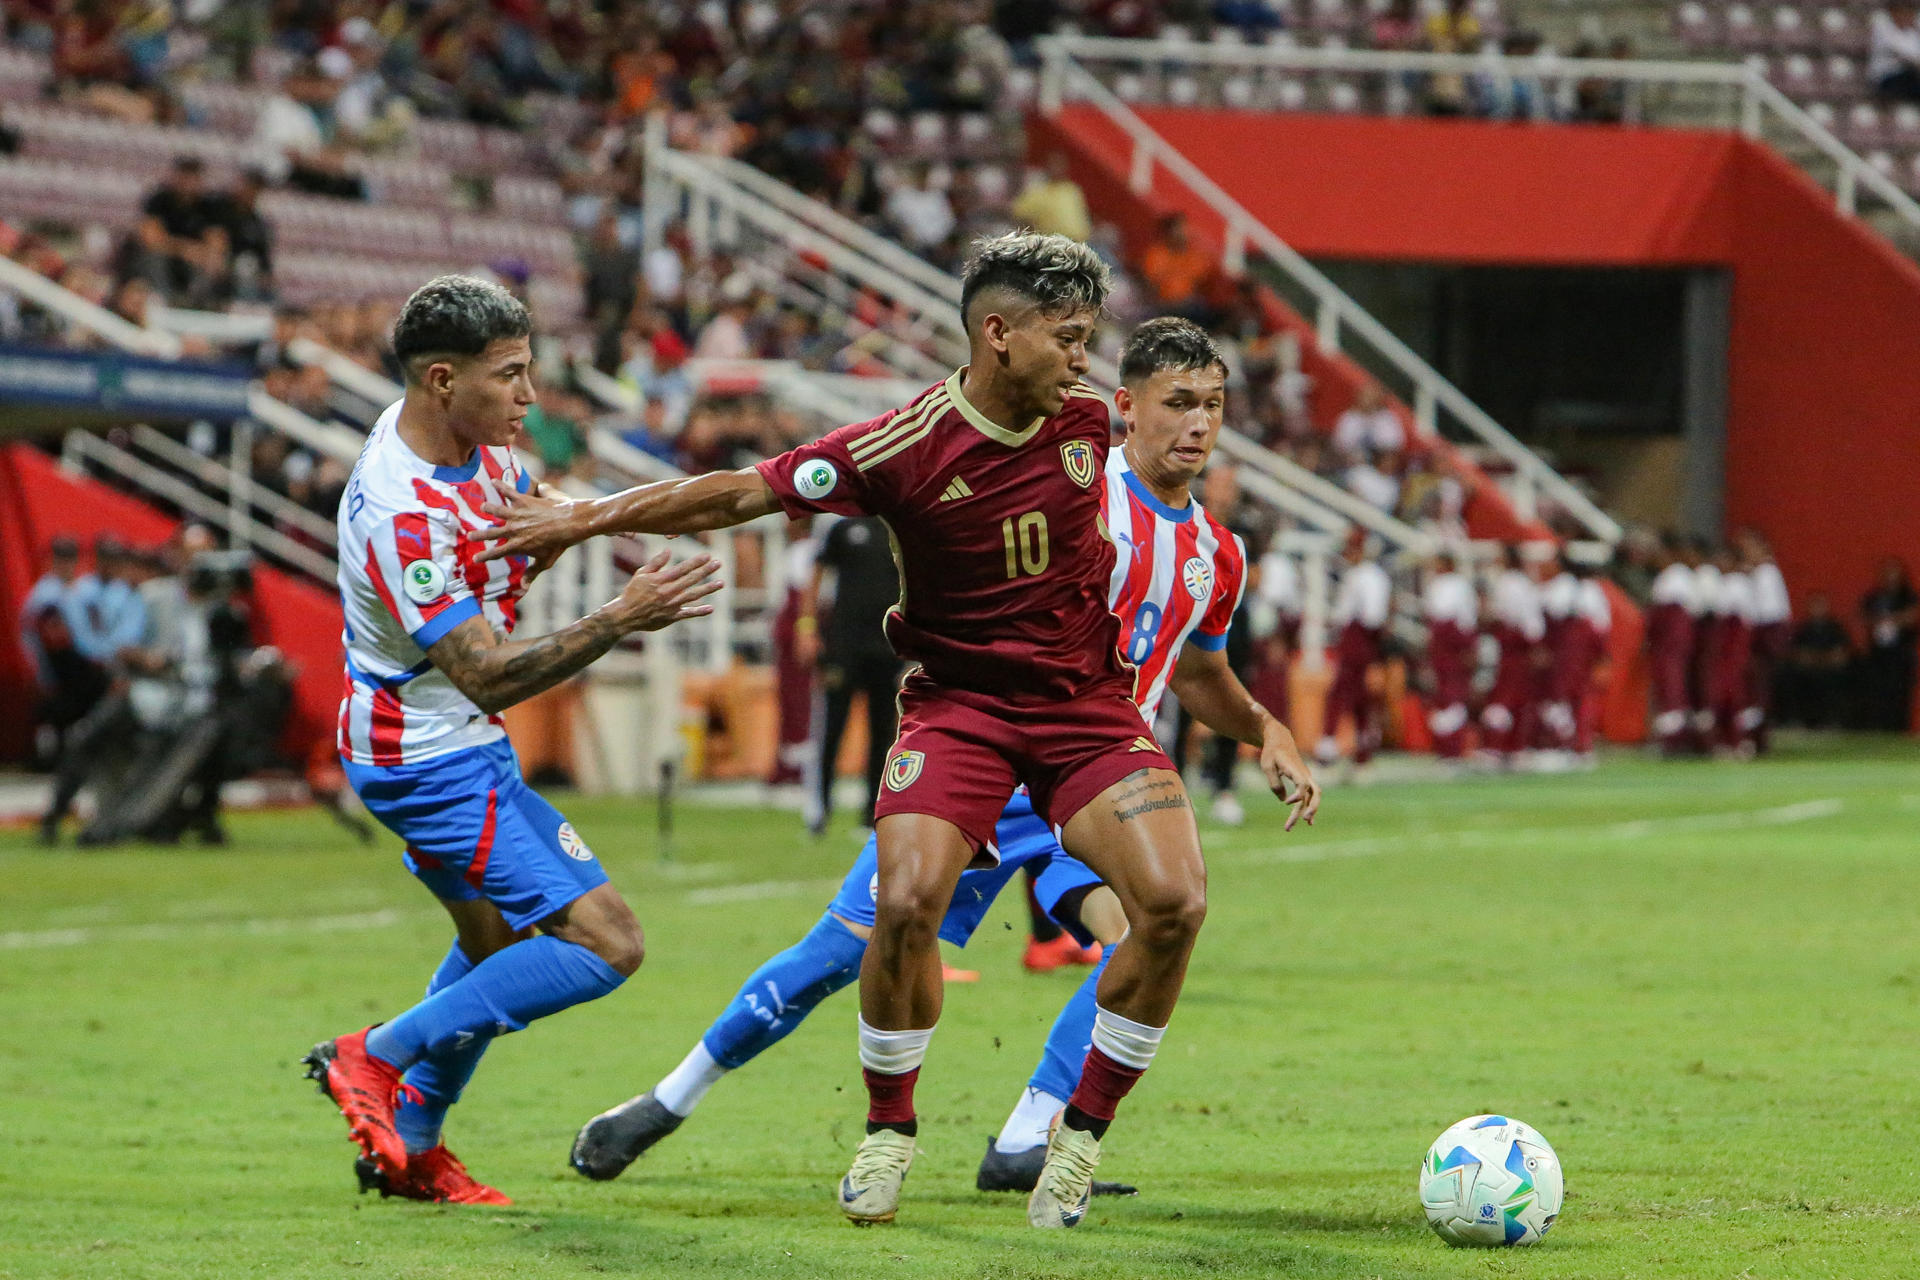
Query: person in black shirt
point(1813, 679)
point(852, 651)
point(181, 234)
point(249, 238)
point(1891, 614)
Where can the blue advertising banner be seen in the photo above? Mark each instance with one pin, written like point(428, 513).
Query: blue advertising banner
point(121, 385)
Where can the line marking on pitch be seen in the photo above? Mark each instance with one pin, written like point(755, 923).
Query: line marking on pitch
point(33, 940)
point(756, 891)
point(1632, 829)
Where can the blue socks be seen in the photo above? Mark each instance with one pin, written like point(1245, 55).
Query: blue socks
point(504, 992)
point(1059, 1071)
point(783, 991)
point(434, 1083)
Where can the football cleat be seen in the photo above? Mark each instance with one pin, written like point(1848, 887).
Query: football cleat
point(871, 1190)
point(614, 1139)
point(436, 1176)
point(1020, 1171)
point(362, 1086)
point(1065, 1184)
point(1044, 957)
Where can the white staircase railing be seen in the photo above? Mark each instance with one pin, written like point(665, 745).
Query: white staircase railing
point(718, 196)
point(1335, 313)
point(1750, 103)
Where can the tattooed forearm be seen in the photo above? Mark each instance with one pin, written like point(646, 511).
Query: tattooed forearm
point(496, 674)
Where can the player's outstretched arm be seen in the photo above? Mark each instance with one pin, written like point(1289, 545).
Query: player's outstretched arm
point(497, 673)
point(1207, 687)
point(542, 526)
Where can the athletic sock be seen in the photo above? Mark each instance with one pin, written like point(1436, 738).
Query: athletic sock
point(779, 995)
point(680, 1092)
point(890, 1065)
point(1121, 1053)
point(510, 988)
point(1031, 1122)
point(434, 1083)
point(1058, 1072)
point(1039, 923)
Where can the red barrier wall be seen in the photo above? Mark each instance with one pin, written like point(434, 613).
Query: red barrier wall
point(39, 500)
point(1824, 404)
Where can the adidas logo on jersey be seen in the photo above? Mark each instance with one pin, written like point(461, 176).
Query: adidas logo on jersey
point(957, 488)
point(1142, 744)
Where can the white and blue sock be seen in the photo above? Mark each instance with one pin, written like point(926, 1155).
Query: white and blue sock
point(510, 988)
point(433, 1084)
point(1058, 1074)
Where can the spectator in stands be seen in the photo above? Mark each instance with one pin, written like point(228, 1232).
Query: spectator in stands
point(1054, 203)
point(919, 211)
point(1398, 28)
point(612, 282)
point(249, 263)
point(175, 244)
point(1813, 678)
point(1890, 616)
point(554, 430)
point(1370, 427)
point(1451, 29)
point(729, 335)
point(1179, 272)
point(1597, 100)
point(1893, 57)
point(1377, 483)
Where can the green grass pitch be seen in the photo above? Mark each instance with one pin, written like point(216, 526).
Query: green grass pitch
point(1700, 982)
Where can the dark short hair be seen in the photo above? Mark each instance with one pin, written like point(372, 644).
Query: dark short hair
point(188, 162)
point(1167, 342)
point(1058, 275)
point(456, 316)
point(64, 547)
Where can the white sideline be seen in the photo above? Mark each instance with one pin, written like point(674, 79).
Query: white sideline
point(1633, 829)
point(761, 890)
point(32, 940)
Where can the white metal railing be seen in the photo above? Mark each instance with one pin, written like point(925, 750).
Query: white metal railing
point(1335, 311)
point(1752, 98)
point(243, 529)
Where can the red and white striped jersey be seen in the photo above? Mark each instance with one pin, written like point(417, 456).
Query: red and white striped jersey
point(1177, 579)
point(409, 573)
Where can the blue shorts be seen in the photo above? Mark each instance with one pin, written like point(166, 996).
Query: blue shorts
point(475, 829)
point(1023, 837)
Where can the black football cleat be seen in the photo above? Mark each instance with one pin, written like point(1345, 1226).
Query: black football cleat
point(614, 1139)
point(1019, 1171)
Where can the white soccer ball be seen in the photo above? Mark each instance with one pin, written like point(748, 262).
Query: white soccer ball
point(1490, 1180)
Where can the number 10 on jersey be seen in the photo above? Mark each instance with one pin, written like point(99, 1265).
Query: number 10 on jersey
point(1025, 540)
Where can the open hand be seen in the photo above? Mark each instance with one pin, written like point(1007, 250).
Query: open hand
point(660, 594)
point(531, 525)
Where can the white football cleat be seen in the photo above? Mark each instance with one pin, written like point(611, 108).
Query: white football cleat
point(871, 1190)
point(1060, 1198)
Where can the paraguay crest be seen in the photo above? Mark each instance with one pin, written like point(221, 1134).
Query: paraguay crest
point(1077, 457)
point(1198, 575)
point(904, 768)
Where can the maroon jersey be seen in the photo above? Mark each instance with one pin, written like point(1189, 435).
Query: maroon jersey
point(1004, 559)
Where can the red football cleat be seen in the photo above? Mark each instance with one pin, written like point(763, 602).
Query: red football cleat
point(362, 1086)
point(1043, 957)
point(436, 1176)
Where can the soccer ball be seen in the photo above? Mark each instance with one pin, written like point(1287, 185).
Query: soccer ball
point(1490, 1180)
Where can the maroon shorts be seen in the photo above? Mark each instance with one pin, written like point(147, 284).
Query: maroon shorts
point(960, 755)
